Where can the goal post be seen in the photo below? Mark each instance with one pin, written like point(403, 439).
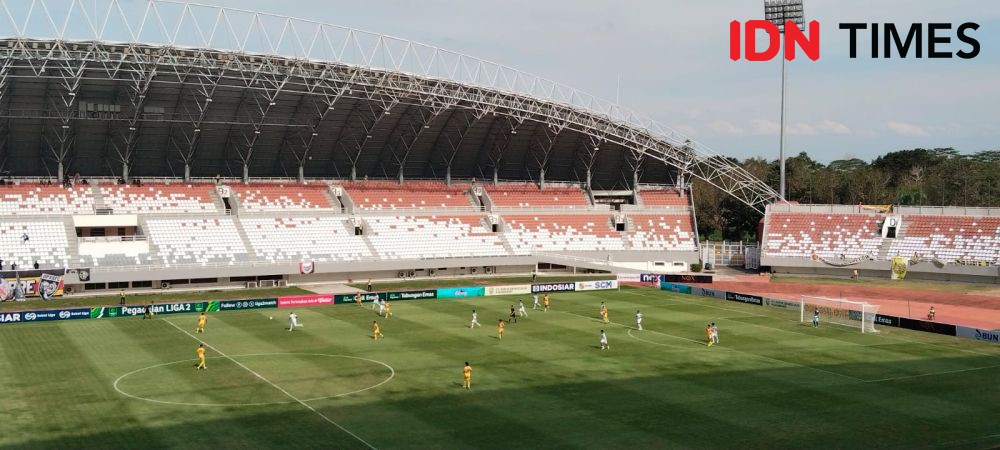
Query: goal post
point(854, 314)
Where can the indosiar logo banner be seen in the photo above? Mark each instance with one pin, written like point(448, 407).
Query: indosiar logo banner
point(553, 287)
point(461, 292)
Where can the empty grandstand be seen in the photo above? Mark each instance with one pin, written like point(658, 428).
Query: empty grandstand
point(231, 166)
point(934, 242)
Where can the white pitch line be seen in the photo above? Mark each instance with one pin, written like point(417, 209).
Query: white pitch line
point(283, 391)
point(906, 377)
point(737, 350)
point(896, 338)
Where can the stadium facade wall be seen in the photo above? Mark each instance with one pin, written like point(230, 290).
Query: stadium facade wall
point(881, 269)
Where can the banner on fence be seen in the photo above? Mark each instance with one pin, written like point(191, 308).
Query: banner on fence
point(230, 305)
point(991, 336)
point(674, 287)
point(366, 297)
point(597, 285)
point(305, 300)
point(514, 289)
point(629, 277)
point(706, 292)
point(32, 283)
point(778, 303)
point(412, 295)
point(744, 298)
point(930, 327)
point(553, 287)
point(461, 292)
point(44, 315)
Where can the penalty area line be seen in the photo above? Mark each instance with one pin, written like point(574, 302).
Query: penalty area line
point(279, 388)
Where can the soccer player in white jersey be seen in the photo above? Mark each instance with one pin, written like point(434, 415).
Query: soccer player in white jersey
point(521, 311)
point(375, 303)
point(293, 321)
point(475, 320)
point(604, 341)
point(534, 298)
point(638, 320)
point(815, 317)
point(381, 308)
point(715, 333)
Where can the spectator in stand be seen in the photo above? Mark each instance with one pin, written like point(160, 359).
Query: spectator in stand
point(36, 265)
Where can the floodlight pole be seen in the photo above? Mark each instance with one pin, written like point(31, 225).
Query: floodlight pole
point(781, 139)
point(781, 13)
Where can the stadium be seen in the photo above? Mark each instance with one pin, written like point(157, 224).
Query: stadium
point(162, 158)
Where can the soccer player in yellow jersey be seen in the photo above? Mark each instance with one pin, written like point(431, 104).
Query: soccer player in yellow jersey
point(708, 333)
point(545, 302)
point(202, 319)
point(201, 357)
point(357, 298)
point(500, 329)
point(376, 331)
point(604, 312)
point(467, 375)
point(388, 310)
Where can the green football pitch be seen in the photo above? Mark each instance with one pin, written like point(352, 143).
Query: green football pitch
point(771, 383)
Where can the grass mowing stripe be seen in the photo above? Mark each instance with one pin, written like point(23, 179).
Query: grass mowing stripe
point(274, 385)
point(741, 351)
point(690, 302)
point(906, 377)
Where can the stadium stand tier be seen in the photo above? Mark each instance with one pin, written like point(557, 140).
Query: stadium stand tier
point(671, 232)
point(378, 196)
point(949, 238)
point(26, 242)
point(512, 195)
point(283, 197)
point(38, 199)
point(199, 241)
point(409, 237)
point(671, 198)
point(950, 243)
point(156, 198)
point(825, 235)
point(304, 239)
point(562, 232)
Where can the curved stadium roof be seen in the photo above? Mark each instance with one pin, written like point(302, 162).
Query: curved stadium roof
point(108, 87)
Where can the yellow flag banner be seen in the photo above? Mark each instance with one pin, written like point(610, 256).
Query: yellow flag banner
point(899, 267)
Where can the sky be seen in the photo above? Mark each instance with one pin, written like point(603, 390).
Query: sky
point(672, 60)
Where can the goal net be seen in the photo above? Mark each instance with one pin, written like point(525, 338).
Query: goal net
point(860, 315)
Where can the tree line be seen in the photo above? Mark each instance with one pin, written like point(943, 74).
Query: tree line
point(938, 177)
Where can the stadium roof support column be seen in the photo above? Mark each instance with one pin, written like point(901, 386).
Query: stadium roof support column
point(323, 109)
point(142, 71)
point(268, 87)
point(64, 109)
point(368, 128)
point(409, 136)
point(208, 81)
point(546, 142)
point(589, 156)
point(467, 119)
point(635, 160)
point(500, 146)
